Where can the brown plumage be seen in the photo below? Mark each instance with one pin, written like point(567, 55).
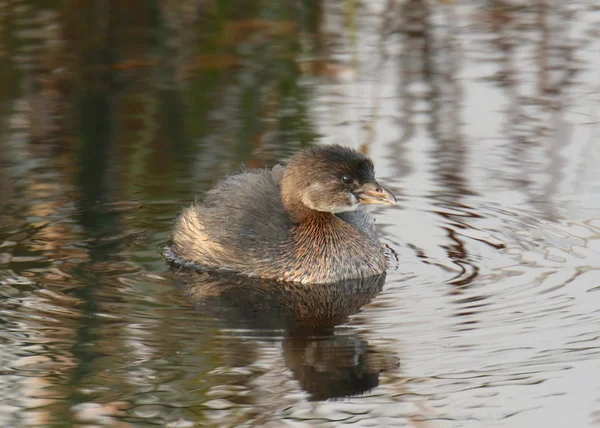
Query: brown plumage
point(302, 224)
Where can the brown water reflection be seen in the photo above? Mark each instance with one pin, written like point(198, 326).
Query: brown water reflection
point(482, 115)
point(327, 363)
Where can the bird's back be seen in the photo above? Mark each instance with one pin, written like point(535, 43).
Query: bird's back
point(240, 219)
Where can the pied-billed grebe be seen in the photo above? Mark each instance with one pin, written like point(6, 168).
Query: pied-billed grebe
point(303, 223)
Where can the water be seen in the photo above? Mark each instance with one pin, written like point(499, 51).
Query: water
point(483, 118)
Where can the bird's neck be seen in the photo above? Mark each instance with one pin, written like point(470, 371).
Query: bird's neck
point(321, 230)
point(297, 210)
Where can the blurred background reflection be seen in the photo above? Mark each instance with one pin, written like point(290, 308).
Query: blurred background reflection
point(482, 116)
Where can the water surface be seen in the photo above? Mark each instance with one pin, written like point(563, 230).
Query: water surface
point(482, 117)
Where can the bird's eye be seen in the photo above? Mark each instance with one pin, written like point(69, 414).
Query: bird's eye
point(346, 179)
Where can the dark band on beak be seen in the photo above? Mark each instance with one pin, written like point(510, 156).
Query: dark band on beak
point(374, 193)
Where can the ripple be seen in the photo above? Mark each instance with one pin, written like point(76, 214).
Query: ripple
point(482, 119)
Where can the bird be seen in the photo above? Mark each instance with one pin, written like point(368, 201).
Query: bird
point(304, 223)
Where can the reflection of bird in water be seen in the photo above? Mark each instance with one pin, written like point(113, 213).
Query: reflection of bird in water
point(260, 303)
point(335, 365)
point(327, 362)
point(303, 224)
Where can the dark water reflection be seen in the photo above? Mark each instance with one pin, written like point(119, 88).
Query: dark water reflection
point(326, 362)
point(483, 118)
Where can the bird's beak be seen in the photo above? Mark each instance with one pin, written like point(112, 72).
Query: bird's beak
point(374, 193)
